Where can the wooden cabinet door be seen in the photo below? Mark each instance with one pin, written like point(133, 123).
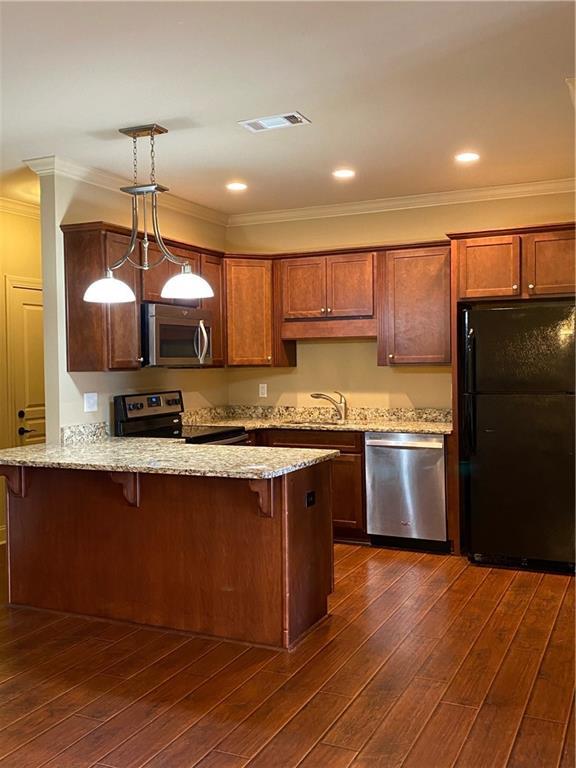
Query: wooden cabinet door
point(249, 311)
point(489, 267)
point(154, 279)
point(211, 270)
point(417, 306)
point(549, 263)
point(350, 285)
point(304, 287)
point(123, 319)
point(348, 493)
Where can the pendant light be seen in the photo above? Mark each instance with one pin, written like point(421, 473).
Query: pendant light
point(186, 285)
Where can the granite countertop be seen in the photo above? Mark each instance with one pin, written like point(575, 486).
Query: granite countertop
point(425, 421)
point(415, 427)
point(168, 457)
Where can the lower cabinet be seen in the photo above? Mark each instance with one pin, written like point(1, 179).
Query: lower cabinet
point(348, 494)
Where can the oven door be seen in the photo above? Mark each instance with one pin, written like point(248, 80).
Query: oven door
point(173, 339)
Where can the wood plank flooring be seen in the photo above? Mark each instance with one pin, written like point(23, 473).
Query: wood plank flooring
point(424, 662)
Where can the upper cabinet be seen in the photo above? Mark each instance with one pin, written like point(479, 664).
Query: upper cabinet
point(101, 337)
point(154, 279)
point(251, 328)
point(327, 296)
point(548, 263)
point(489, 266)
point(520, 264)
point(415, 317)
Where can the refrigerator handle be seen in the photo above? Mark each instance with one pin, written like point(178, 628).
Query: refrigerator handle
point(468, 427)
point(469, 359)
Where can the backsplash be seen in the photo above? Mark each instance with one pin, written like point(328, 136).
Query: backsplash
point(312, 414)
point(77, 434)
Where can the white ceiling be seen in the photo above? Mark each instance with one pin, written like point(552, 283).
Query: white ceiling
point(393, 89)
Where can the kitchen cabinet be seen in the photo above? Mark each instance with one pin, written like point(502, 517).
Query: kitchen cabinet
point(549, 263)
point(212, 270)
point(153, 280)
point(348, 510)
point(489, 267)
point(517, 265)
point(100, 337)
point(415, 318)
point(251, 328)
point(328, 296)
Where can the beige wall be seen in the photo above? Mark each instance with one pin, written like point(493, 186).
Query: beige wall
point(348, 366)
point(19, 257)
point(403, 226)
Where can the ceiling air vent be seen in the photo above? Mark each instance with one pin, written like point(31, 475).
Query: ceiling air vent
point(287, 120)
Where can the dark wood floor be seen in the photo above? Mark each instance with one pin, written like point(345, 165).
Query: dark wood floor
point(425, 662)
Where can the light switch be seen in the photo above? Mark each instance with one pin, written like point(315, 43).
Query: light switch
point(90, 402)
point(262, 390)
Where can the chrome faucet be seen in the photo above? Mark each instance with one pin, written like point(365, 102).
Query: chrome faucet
point(341, 405)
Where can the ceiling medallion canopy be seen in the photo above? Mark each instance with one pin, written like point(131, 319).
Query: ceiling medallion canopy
point(186, 284)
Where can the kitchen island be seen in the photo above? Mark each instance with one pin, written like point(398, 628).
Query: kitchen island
point(224, 541)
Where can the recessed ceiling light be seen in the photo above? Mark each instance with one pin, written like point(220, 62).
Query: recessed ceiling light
point(236, 186)
point(343, 173)
point(467, 157)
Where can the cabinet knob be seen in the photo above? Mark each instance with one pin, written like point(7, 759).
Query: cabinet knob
point(514, 287)
point(531, 286)
point(322, 309)
point(139, 359)
point(269, 357)
point(329, 309)
point(390, 356)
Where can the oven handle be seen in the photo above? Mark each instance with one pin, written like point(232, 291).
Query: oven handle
point(202, 329)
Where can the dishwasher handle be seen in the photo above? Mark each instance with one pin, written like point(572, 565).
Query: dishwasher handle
point(408, 444)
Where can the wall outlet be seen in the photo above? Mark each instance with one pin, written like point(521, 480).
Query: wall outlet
point(262, 390)
point(90, 402)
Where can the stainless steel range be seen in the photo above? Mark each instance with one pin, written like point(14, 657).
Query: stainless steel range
point(159, 414)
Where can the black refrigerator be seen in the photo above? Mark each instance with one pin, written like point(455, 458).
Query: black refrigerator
point(516, 410)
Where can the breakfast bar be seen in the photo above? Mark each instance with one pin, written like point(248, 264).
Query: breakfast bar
point(228, 542)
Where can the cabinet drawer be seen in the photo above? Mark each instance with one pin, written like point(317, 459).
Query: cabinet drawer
point(348, 442)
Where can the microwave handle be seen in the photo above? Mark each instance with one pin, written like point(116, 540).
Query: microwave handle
point(196, 348)
point(205, 339)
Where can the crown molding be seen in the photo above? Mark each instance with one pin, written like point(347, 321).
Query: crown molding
point(55, 165)
point(44, 166)
point(480, 194)
point(20, 208)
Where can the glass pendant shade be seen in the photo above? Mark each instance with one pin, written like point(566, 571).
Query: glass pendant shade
point(109, 290)
point(187, 285)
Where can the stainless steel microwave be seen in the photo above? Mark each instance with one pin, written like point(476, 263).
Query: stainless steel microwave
point(176, 336)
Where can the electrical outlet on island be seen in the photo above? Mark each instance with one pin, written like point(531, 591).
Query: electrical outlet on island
point(262, 390)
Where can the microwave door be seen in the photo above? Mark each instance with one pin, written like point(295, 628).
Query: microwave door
point(176, 342)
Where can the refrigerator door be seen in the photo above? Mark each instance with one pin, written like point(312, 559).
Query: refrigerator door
point(518, 476)
point(518, 347)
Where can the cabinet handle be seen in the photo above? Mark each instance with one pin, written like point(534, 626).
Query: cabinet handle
point(322, 309)
point(139, 359)
point(390, 356)
point(531, 286)
point(329, 309)
point(269, 357)
point(514, 287)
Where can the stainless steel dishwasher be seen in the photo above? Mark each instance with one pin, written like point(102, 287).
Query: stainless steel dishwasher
point(405, 484)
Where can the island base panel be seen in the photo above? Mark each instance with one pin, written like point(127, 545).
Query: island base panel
point(198, 554)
